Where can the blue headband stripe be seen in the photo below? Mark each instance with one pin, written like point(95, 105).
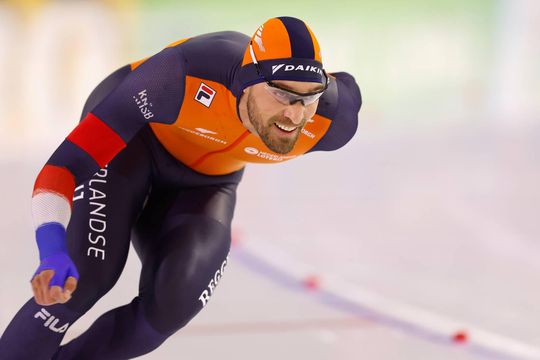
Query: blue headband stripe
point(301, 42)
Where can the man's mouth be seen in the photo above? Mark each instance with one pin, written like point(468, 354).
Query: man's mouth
point(287, 129)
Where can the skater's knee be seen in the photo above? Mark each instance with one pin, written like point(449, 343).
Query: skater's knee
point(183, 293)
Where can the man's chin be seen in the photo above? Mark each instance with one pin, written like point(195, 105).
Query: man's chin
point(279, 147)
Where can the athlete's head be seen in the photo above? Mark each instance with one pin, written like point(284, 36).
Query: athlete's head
point(282, 78)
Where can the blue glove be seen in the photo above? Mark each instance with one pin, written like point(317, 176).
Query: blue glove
point(63, 268)
point(53, 254)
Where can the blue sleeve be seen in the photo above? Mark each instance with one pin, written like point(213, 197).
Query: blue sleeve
point(341, 104)
point(152, 92)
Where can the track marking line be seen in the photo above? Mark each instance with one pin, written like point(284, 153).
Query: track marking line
point(351, 298)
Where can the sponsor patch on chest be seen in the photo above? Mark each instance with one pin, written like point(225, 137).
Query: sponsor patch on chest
point(205, 94)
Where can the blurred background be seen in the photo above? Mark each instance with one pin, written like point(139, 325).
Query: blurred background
point(417, 240)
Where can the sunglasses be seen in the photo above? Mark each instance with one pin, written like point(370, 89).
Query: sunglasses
point(287, 96)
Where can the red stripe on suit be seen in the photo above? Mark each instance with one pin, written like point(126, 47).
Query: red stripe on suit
point(96, 138)
point(55, 179)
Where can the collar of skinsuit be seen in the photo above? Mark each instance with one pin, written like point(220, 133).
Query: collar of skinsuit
point(283, 48)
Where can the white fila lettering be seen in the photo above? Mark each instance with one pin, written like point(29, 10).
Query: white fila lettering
point(207, 293)
point(143, 104)
point(205, 94)
point(51, 322)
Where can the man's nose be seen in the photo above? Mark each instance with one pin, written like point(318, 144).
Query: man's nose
point(295, 112)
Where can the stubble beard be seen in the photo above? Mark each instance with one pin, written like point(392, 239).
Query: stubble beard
point(280, 145)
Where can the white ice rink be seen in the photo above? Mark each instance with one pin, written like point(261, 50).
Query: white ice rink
point(401, 268)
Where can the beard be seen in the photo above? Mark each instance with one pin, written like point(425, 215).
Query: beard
point(278, 144)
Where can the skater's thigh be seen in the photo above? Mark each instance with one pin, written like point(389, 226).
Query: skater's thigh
point(184, 239)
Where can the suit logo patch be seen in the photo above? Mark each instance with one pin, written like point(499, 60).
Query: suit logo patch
point(205, 94)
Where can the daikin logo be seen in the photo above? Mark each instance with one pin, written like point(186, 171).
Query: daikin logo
point(291, 67)
point(276, 68)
